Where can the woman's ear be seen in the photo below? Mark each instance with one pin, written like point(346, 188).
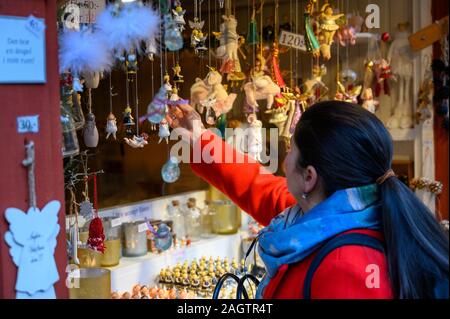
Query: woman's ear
point(311, 179)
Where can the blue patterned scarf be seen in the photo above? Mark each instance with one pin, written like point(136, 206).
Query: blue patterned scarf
point(291, 237)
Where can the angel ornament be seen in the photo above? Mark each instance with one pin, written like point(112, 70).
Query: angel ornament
point(328, 28)
point(32, 240)
point(178, 15)
point(369, 102)
point(164, 131)
point(137, 141)
point(111, 126)
point(255, 137)
point(198, 39)
point(347, 95)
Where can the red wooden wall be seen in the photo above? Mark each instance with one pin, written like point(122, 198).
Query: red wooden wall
point(440, 10)
point(42, 99)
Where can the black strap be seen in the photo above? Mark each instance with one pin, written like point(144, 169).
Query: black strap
point(334, 243)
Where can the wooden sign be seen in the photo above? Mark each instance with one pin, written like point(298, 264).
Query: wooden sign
point(22, 50)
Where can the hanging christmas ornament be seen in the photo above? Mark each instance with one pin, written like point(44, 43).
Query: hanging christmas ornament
point(164, 131)
point(156, 110)
point(170, 172)
point(221, 3)
point(253, 36)
point(210, 93)
point(96, 234)
point(137, 141)
point(90, 133)
point(83, 52)
point(86, 209)
point(347, 95)
point(177, 77)
point(261, 86)
point(178, 15)
point(229, 44)
point(124, 26)
point(128, 121)
point(383, 74)
point(255, 141)
point(151, 49)
point(328, 28)
point(167, 85)
point(91, 79)
point(198, 39)
point(369, 102)
point(111, 126)
point(173, 39)
point(348, 76)
point(111, 121)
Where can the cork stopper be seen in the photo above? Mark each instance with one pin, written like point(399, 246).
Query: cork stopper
point(207, 202)
point(190, 204)
point(175, 203)
point(192, 200)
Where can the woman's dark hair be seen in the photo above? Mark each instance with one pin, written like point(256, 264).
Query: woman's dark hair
point(350, 147)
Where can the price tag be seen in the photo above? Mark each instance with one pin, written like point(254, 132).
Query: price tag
point(289, 39)
point(28, 124)
point(142, 227)
point(116, 222)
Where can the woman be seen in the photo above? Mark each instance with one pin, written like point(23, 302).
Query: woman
point(339, 182)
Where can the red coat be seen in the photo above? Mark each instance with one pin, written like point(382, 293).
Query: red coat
point(342, 274)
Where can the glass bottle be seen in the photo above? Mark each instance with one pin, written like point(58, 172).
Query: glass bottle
point(208, 214)
point(193, 216)
point(177, 217)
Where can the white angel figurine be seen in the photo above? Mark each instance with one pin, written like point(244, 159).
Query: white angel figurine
point(178, 15)
point(254, 137)
point(32, 241)
point(164, 131)
point(111, 126)
point(137, 141)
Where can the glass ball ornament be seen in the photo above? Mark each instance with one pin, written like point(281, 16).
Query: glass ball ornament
point(348, 76)
point(170, 172)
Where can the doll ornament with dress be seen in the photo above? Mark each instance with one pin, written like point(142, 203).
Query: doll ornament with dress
point(254, 137)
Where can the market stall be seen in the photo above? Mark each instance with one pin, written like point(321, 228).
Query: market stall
point(129, 217)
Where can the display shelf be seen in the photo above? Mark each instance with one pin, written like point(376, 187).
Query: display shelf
point(144, 270)
point(403, 134)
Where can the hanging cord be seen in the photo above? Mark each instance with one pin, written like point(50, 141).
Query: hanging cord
point(209, 32)
point(137, 101)
point(29, 163)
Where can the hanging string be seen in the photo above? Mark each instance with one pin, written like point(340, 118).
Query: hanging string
point(161, 45)
point(137, 102)
point(290, 50)
point(209, 32)
point(95, 195)
point(90, 100)
point(110, 94)
point(127, 88)
point(216, 27)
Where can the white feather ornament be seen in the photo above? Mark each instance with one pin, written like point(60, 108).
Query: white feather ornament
point(83, 51)
point(124, 27)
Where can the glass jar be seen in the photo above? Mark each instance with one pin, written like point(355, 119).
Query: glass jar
point(227, 217)
point(134, 239)
point(178, 221)
point(111, 256)
point(90, 283)
point(193, 220)
point(208, 215)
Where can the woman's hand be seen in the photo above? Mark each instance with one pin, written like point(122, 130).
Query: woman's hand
point(186, 121)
